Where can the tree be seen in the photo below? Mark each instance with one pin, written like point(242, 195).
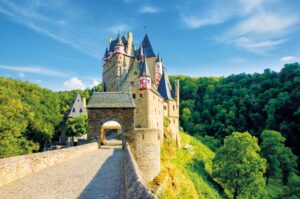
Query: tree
point(280, 159)
point(272, 146)
point(288, 164)
point(238, 167)
point(77, 126)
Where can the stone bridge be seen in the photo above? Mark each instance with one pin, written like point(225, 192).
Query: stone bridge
point(77, 172)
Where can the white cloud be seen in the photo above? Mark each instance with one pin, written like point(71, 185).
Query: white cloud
point(22, 75)
point(266, 23)
point(255, 25)
point(149, 9)
point(35, 70)
point(118, 28)
point(254, 45)
point(74, 83)
point(288, 58)
point(95, 83)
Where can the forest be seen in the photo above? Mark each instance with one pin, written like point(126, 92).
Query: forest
point(214, 107)
point(30, 115)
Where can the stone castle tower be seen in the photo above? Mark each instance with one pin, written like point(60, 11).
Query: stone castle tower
point(142, 73)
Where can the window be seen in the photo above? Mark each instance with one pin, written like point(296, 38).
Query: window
point(132, 83)
point(174, 121)
point(173, 108)
point(143, 136)
point(80, 110)
point(135, 73)
point(141, 95)
point(157, 126)
point(73, 110)
point(133, 96)
point(165, 107)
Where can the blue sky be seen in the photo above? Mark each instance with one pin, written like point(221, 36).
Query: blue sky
point(59, 44)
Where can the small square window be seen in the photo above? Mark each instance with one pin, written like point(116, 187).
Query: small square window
point(165, 108)
point(73, 110)
point(141, 95)
point(133, 96)
point(132, 83)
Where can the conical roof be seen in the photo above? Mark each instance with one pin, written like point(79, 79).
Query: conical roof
point(120, 42)
point(106, 53)
point(147, 47)
point(144, 67)
point(158, 58)
point(164, 87)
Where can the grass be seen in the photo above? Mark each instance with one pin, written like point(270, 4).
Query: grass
point(186, 173)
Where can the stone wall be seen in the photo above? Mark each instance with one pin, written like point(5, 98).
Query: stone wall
point(146, 150)
point(14, 168)
point(97, 117)
point(135, 183)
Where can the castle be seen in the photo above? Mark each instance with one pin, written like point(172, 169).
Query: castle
point(141, 72)
point(136, 94)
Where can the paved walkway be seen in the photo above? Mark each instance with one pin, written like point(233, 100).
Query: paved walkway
point(97, 174)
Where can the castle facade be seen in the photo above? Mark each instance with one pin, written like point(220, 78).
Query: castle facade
point(141, 72)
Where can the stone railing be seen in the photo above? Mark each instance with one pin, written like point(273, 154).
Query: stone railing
point(134, 180)
point(17, 167)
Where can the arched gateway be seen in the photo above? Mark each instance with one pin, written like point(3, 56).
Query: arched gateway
point(104, 108)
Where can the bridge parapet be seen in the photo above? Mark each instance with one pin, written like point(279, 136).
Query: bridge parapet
point(14, 168)
point(135, 183)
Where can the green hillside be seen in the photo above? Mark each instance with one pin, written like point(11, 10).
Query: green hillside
point(186, 172)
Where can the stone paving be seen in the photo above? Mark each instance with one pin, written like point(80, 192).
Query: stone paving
point(97, 174)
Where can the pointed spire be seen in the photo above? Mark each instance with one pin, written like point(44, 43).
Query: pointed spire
point(141, 53)
point(106, 53)
point(120, 42)
point(144, 67)
point(164, 87)
point(147, 46)
point(157, 57)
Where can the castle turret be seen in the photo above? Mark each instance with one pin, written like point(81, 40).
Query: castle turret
point(129, 45)
point(119, 47)
point(105, 57)
point(145, 78)
point(177, 85)
point(158, 69)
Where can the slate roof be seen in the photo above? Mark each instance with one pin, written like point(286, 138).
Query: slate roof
point(158, 59)
point(144, 67)
point(111, 100)
point(77, 108)
point(164, 87)
point(120, 42)
point(147, 47)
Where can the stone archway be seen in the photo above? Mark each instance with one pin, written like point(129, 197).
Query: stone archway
point(110, 106)
point(117, 135)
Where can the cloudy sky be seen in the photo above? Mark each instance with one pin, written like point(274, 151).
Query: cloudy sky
point(59, 44)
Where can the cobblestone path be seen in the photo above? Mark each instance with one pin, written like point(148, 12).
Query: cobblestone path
point(97, 174)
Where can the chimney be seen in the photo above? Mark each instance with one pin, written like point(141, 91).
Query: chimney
point(177, 84)
point(84, 102)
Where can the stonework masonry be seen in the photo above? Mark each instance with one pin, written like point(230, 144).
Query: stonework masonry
point(14, 168)
point(135, 183)
point(97, 117)
point(147, 151)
